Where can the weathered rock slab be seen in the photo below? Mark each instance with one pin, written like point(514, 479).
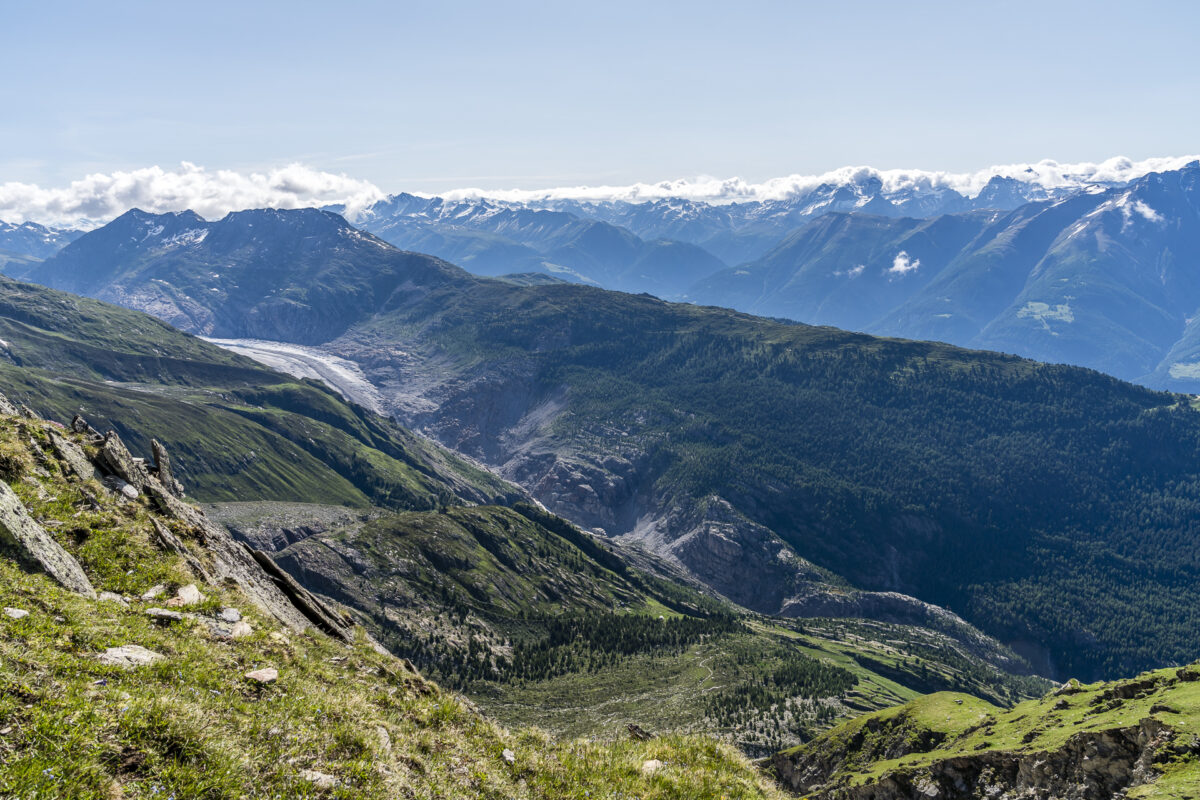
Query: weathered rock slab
point(129, 656)
point(35, 548)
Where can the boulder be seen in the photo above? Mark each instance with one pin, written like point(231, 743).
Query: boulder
point(509, 756)
point(264, 675)
point(162, 468)
point(15, 613)
point(29, 543)
point(229, 615)
point(129, 656)
point(163, 615)
point(186, 596)
point(116, 458)
point(154, 591)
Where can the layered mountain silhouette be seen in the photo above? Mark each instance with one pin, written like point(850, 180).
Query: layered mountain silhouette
point(794, 469)
point(1106, 279)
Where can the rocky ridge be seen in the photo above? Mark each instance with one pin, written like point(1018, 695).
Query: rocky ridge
point(1132, 738)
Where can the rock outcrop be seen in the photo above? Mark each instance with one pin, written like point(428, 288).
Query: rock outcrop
point(215, 556)
point(30, 544)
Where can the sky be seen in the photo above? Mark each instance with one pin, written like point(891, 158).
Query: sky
point(434, 96)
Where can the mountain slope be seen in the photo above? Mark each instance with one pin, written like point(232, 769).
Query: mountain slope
point(132, 696)
point(252, 274)
point(244, 431)
point(492, 239)
point(1130, 738)
point(1101, 279)
point(796, 469)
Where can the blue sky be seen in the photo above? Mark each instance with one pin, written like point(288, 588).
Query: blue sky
point(433, 96)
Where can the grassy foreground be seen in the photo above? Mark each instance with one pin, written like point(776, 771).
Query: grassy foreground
point(340, 721)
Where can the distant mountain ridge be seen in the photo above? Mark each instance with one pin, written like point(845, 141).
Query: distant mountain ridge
point(1106, 278)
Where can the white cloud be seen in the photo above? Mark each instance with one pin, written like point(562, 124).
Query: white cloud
point(1147, 212)
point(902, 264)
point(853, 272)
point(1048, 174)
point(98, 198)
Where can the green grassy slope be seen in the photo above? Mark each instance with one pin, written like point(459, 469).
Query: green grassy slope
point(1047, 504)
point(541, 623)
point(1134, 736)
point(192, 726)
point(242, 431)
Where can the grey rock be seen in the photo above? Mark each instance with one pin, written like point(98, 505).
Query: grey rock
point(113, 597)
point(15, 613)
point(128, 490)
point(6, 406)
point(129, 656)
point(229, 615)
point(35, 548)
point(157, 590)
point(188, 595)
point(240, 630)
point(73, 456)
point(117, 460)
point(162, 468)
point(164, 615)
point(509, 756)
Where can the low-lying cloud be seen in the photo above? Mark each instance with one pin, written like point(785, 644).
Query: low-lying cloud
point(100, 197)
point(903, 264)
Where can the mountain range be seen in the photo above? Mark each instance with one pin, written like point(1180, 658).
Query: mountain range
point(796, 470)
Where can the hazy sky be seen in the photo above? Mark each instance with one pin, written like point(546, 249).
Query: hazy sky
point(438, 95)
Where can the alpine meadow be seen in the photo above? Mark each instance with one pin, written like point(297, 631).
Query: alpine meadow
point(541, 401)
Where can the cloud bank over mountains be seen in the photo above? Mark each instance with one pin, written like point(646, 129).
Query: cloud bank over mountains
point(100, 197)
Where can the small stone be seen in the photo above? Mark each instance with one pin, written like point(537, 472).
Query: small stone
point(651, 766)
point(128, 656)
point(240, 630)
point(15, 613)
point(163, 615)
point(509, 756)
point(229, 615)
point(113, 597)
point(154, 591)
point(189, 595)
point(6, 730)
point(385, 738)
point(265, 675)
point(319, 779)
point(127, 490)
